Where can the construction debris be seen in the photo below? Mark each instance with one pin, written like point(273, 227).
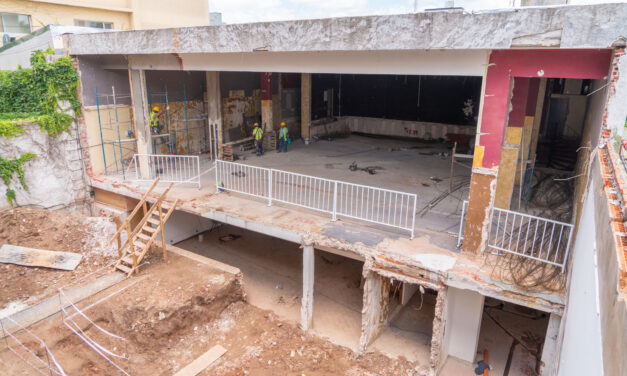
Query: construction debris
point(369, 169)
point(202, 362)
point(14, 254)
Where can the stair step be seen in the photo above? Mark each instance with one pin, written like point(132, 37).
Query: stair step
point(129, 259)
point(123, 268)
point(149, 229)
point(143, 236)
point(154, 221)
point(138, 244)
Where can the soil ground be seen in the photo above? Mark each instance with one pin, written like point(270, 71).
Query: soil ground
point(174, 312)
point(55, 231)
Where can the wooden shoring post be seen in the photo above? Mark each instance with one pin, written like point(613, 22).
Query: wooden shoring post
point(450, 182)
point(162, 227)
point(117, 227)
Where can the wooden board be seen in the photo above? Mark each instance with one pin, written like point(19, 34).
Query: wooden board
point(14, 254)
point(202, 362)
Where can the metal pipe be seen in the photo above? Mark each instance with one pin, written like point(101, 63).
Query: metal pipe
point(104, 157)
point(117, 123)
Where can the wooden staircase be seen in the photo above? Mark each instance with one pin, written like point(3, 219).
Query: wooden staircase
point(140, 239)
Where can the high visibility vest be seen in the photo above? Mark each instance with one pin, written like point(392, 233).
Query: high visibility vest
point(283, 133)
point(257, 133)
point(154, 119)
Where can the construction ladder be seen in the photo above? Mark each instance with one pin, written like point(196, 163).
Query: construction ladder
point(140, 239)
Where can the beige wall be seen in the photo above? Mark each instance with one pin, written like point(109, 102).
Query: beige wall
point(124, 14)
point(155, 14)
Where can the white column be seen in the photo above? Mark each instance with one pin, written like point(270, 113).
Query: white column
point(306, 311)
point(139, 98)
point(550, 350)
point(376, 306)
point(464, 310)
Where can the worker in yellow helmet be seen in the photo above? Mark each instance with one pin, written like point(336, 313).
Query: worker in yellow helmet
point(155, 126)
point(258, 137)
point(282, 138)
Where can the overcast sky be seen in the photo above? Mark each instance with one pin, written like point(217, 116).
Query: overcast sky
point(239, 11)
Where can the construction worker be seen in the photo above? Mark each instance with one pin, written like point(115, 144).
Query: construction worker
point(258, 137)
point(155, 126)
point(282, 138)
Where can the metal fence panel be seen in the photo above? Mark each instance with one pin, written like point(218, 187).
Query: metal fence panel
point(529, 236)
point(169, 168)
point(376, 205)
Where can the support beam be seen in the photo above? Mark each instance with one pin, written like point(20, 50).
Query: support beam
point(306, 310)
point(550, 350)
point(305, 105)
point(214, 111)
point(141, 125)
point(439, 352)
point(376, 306)
point(464, 310)
point(266, 102)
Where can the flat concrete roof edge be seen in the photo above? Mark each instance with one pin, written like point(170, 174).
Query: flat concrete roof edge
point(575, 26)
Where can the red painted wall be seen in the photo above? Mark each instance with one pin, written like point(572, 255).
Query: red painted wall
point(520, 94)
point(504, 64)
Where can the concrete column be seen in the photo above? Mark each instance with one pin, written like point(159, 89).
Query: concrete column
point(141, 124)
point(305, 104)
point(464, 310)
point(306, 310)
point(266, 101)
point(439, 352)
point(550, 350)
point(214, 107)
point(376, 306)
point(479, 211)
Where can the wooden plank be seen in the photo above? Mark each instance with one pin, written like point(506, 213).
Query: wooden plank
point(114, 199)
point(202, 362)
point(13, 254)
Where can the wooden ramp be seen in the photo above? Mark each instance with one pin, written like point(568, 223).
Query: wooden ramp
point(141, 238)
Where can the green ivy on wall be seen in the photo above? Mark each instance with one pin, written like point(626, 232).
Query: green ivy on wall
point(37, 94)
point(9, 167)
point(45, 94)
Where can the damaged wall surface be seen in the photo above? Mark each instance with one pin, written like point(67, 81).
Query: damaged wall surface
point(493, 29)
point(55, 177)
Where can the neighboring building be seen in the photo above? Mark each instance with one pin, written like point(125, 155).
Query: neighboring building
point(20, 17)
point(215, 18)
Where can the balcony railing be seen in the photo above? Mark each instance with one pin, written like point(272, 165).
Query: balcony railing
point(337, 198)
point(525, 235)
point(183, 169)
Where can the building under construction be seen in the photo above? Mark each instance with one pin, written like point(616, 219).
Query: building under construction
point(449, 189)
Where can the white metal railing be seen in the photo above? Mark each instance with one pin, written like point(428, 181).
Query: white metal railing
point(338, 198)
point(525, 235)
point(168, 168)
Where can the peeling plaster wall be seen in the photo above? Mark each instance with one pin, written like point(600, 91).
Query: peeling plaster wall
point(55, 178)
point(586, 26)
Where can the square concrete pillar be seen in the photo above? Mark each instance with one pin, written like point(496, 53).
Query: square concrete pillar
point(550, 350)
point(305, 105)
point(376, 306)
point(306, 310)
point(266, 102)
point(214, 112)
point(141, 124)
point(464, 311)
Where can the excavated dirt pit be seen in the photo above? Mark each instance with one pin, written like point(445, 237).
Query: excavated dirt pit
point(171, 313)
point(55, 231)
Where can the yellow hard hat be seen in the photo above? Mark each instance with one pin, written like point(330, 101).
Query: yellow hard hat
point(282, 123)
point(155, 109)
point(256, 124)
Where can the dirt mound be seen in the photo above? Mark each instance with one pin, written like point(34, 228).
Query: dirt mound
point(149, 325)
point(55, 231)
